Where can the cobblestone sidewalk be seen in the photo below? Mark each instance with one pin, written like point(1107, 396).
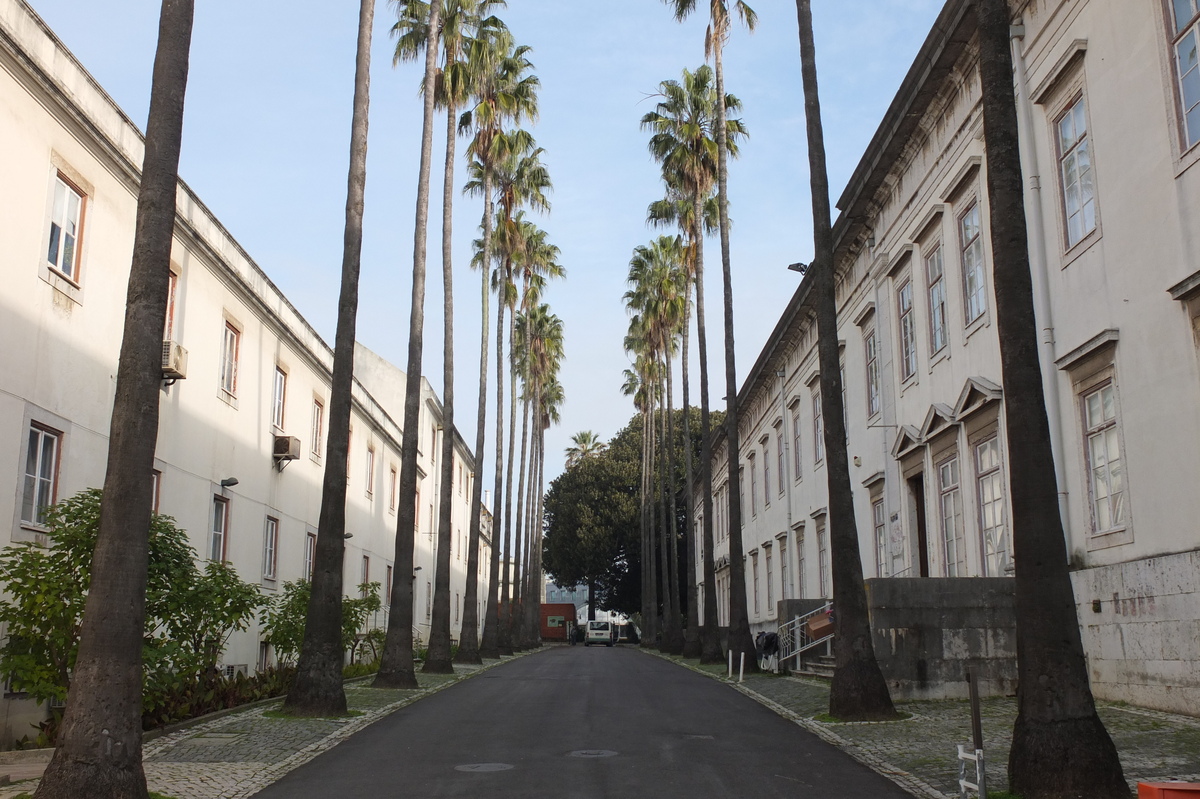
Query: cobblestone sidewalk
point(919, 753)
point(240, 754)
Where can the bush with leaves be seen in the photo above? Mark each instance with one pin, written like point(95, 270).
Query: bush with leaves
point(190, 613)
point(283, 626)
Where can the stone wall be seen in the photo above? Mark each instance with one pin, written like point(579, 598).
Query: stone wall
point(927, 631)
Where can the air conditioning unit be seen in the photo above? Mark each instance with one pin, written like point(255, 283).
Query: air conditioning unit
point(287, 448)
point(174, 361)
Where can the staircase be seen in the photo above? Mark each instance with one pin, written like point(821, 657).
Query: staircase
point(795, 642)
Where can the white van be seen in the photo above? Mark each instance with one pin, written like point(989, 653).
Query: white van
point(598, 632)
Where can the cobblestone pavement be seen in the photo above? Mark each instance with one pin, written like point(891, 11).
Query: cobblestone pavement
point(920, 752)
point(240, 754)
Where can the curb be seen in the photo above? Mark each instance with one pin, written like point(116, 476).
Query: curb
point(904, 779)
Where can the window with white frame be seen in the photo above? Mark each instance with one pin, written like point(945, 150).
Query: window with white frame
point(278, 397)
point(1075, 169)
point(871, 346)
point(974, 281)
point(310, 555)
point(387, 588)
point(754, 570)
point(797, 450)
point(156, 484)
point(951, 517)
point(935, 274)
point(41, 474)
point(801, 562)
point(270, 547)
point(766, 445)
point(370, 470)
point(879, 525)
point(1106, 467)
point(218, 541)
point(780, 455)
point(66, 229)
point(1185, 42)
point(753, 486)
point(365, 577)
point(992, 527)
point(908, 330)
point(318, 428)
point(822, 559)
point(428, 601)
point(770, 581)
point(172, 290)
point(784, 572)
point(818, 430)
point(393, 488)
point(230, 343)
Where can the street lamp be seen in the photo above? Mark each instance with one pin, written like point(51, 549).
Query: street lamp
point(799, 267)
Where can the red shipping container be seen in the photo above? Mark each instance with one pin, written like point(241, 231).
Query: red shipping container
point(1168, 790)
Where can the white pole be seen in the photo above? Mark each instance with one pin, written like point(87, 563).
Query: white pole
point(742, 668)
point(730, 665)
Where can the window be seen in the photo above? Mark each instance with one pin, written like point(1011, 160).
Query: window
point(753, 486)
point(66, 227)
point(754, 567)
point(220, 529)
point(1075, 167)
point(935, 273)
point(428, 601)
point(871, 343)
point(318, 427)
point(388, 587)
point(801, 562)
point(393, 488)
point(169, 325)
point(992, 527)
point(879, 522)
point(277, 398)
point(365, 577)
point(796, 450)
point(784, 573)
point(766, 445)
point(818, 432)
point(952, 518)
point(1185, 41)
point(779, 454)
point(1106, 471)
point(310, 555)
point(822, 559)
point(270, 544)
point(417, 512)
point(770, 585)
point(156, 483)
point(370, 470)
point(41, 474)
point(229, 360)
point(908, 331)
point(460, 480)
point(974, 284)
point(456, 607)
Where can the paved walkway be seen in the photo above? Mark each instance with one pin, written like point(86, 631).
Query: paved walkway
point(919, 753)
point(238, 755)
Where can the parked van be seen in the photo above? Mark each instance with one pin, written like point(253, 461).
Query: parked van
point(598, 632)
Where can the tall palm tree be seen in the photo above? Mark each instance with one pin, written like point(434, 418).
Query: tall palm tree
point(684, 141)
point(318, 690)
point(716, 35)
point(1060, 746)
point(584, 444)
point(636, 386)
point(505, 93)
point(858, 691)
point(396, 668)
point(100, 743)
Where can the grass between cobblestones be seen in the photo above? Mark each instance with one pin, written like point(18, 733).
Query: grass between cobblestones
point(921, 755)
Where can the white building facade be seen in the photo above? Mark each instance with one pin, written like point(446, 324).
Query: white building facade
point(241, 447)
point(1109, 99)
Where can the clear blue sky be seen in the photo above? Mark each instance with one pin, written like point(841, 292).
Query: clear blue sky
point(266, 142)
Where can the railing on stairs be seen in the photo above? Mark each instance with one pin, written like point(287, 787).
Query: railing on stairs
point(794, 639)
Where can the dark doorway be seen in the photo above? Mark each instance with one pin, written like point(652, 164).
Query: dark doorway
point(916, 488)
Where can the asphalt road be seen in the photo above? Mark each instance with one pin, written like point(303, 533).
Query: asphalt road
point(584, 722)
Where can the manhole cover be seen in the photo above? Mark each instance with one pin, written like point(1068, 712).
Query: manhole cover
point(593, 753)
point(484, 767)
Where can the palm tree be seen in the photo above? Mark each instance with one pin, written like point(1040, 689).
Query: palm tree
point(106, 688)
point(318, 689)
point(584, 444)
point(684, 142)
point(717, 34)
point(504, 93)
point(636, 386)
point(396, 665)
point(858, 691)
point(1060, 746)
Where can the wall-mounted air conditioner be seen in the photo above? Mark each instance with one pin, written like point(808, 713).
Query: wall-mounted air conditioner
point(287, 448)
point(174, 361)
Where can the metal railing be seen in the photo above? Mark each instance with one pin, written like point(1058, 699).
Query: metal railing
point(794, 638)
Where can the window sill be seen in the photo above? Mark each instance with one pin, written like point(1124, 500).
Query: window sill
point(941, 355)
point(63, 284)
point(29, 533)
point(315, 458)
point(974, 327)
point(1187, 159)
point(227, 398)
point(1076, 250)
point(1111, 538)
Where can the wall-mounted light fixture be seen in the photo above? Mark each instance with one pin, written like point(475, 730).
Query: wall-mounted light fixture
point(799, 267)
point(229, 482)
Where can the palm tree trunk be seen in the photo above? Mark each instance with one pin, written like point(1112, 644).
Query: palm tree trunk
point(503, 641)
point(691, 632)
point(664, 533)
point(740, 640)
point(710, 633)
point(531, 587)
point(858, 691)
point(652, 622)
point(438, 659)
point(318, 690)
point(675, 631)
point(647, 559)
point(396, 666)
point(470, 650)
point(521, 543)
point(1060, 747)
point(99, 751)
point(509, 543)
